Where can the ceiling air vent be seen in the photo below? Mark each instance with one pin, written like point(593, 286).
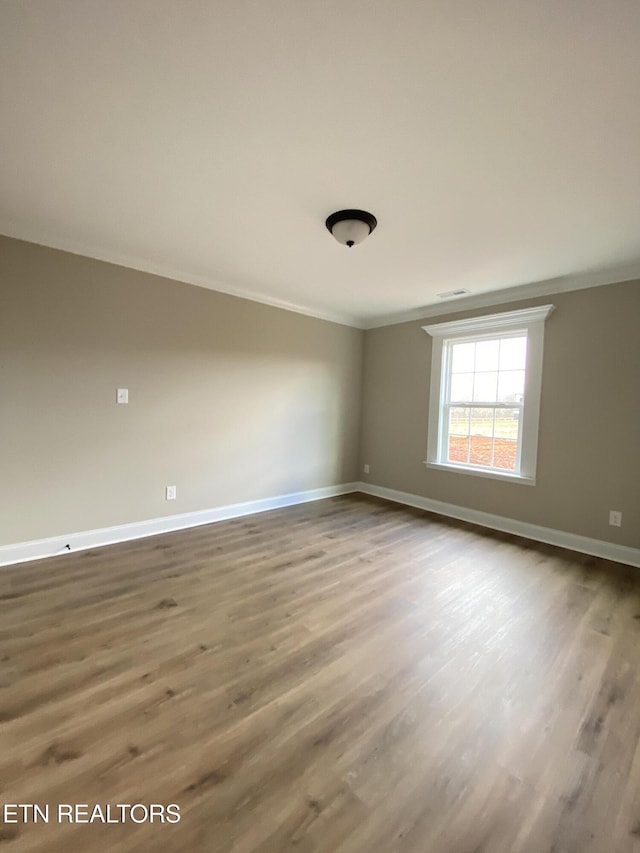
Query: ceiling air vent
point(449, 294)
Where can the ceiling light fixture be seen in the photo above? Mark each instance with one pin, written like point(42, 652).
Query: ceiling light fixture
point(351, 226)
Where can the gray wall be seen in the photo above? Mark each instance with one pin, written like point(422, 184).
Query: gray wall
point(589, 444)
point(230, 400)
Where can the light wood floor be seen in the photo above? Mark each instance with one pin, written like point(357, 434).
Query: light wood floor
point(345, 676)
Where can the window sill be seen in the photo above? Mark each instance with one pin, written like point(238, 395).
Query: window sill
point(478, 472)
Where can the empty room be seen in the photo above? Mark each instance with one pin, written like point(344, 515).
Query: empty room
point(319, 426)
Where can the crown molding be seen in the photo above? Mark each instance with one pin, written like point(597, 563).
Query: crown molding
point(562, 284)
point(133, 262)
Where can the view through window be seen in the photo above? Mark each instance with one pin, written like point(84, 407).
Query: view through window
point(485, 386)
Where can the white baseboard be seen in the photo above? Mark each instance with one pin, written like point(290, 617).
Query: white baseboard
point(56, 545)
point(583, 544)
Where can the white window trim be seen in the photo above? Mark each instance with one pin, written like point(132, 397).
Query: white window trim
point(529, 320)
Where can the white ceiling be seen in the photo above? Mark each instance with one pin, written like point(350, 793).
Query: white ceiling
point(498, 143)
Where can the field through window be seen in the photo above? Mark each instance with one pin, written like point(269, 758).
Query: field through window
point(487, 437)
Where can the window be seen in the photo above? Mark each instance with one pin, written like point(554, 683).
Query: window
point(484, 403)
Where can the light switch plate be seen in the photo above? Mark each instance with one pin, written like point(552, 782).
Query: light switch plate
point(122, 395)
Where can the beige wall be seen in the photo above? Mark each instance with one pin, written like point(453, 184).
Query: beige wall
point(589, 445)
point(234, 401)
point(230, 400)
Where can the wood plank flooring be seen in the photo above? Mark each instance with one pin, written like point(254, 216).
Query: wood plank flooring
point(348, 676)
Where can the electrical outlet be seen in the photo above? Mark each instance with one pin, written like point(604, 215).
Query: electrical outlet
point(122, 395)
point(366, 469)
point(615, 518)
point(170, 493)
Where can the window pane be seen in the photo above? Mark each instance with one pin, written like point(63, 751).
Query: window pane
point(487, 355)
point(459, 420)
point(461, 387)
point(458, 445)
point(505, 454)
point(505, 451)
point(485, 387)
point(506, 423)
point(513, 353)
point(462, 357)
point(481, 422)
point(458, 448)
point(481, 444)
point(511, 386)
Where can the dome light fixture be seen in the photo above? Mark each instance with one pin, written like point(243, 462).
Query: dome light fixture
point(351, 226)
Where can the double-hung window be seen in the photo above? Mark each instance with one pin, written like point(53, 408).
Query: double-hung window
point(484, 404)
